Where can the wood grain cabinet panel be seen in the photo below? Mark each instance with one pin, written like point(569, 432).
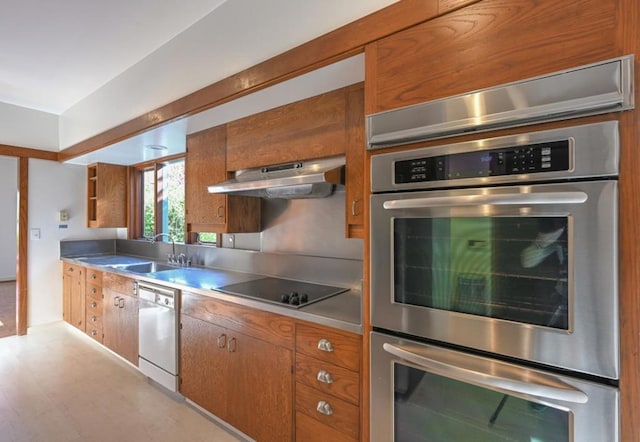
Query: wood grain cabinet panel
point(205, 164)
point(307, 129)
point(106, 195)
point(309, 429)
point(120, 317)
point(73, 295)
point(488, 43)
point(244, 380)
point(337, 414)
point(335, 347)
point(355, 164)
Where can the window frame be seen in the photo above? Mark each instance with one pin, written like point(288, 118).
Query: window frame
point(136, 209)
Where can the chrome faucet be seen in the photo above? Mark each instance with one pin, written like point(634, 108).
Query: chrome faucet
point(172, 256)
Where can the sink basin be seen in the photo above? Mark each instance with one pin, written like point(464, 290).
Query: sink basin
point(147, 267)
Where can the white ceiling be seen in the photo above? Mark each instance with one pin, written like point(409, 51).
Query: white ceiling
point(54, 53)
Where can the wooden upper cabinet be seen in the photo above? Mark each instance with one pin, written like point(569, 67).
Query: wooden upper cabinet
point(488, 43)
point(205, 165)
point(355, 161)
point(307, 129)
point(106, 195)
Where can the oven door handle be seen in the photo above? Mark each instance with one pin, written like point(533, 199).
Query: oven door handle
point(509, 199)
point(495, 375)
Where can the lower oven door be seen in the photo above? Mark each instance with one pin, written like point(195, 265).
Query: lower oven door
point(421, 392)
point(528, 272)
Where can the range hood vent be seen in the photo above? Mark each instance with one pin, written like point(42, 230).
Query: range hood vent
point(300, 179)
point(585, 90)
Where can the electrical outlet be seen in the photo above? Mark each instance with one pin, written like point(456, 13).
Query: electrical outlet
point(34, 234)
point(231, 241)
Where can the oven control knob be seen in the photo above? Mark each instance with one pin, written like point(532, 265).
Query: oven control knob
point(284, 298)
point(304, 298)
point(295, 300)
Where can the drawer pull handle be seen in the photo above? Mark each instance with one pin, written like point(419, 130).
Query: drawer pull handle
point(94, 318)
point(222, 341)
point(121, 303)
point(93, 332)
point(93, 276)
point(231, 348)
point(93, 290)
point(324, 408)
point(220, 211)
point(94, 304)
point(354, 210)
point(325, 377)
point(324, 345)
point(115, 301)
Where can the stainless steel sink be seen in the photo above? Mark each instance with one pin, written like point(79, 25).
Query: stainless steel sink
point(147, 267)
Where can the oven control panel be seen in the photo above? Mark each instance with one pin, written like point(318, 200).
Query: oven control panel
point(522, 159)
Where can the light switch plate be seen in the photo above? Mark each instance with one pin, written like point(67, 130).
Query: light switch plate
point(34, 234)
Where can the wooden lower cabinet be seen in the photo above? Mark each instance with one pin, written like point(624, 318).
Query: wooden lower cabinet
point(120, 318)
point(73, 295)
point(244, 380)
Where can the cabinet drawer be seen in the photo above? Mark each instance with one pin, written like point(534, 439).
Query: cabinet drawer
point(93, 307)
point(94, 277)
point(311, 430)
point(94, 292)
point(328, 378)
point(94, 327)
point(329, 345)
point(339, 415)
point(72, 269)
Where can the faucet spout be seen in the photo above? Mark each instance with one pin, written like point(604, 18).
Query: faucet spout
point(170, 238)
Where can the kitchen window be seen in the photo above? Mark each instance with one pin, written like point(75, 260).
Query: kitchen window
point(159, 200)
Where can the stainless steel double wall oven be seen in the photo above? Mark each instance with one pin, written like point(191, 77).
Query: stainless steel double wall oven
point(494, 265)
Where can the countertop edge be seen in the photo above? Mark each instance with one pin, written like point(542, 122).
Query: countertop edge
point(317, 313)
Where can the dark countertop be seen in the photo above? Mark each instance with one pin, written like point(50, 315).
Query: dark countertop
point(343, 311)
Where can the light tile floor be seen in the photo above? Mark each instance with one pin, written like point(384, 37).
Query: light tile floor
point(56, 385)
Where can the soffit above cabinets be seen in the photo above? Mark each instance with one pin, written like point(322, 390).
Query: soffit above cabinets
point(173, 135)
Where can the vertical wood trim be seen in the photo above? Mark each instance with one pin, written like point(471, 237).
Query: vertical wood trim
point(23, 223)
point(628, 40)
point(366, 307)
point(370, 75)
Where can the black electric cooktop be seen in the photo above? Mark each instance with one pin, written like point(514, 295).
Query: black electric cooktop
point(286, 292)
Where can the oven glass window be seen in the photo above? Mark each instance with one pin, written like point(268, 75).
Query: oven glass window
point(513, 268)
point(433, 408)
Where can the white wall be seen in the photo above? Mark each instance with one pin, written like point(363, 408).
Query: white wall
point(20, 126)
point(235, 36)
point(8, 217)
point(53, 187)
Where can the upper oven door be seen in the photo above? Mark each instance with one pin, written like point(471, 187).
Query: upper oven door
point(524, 271)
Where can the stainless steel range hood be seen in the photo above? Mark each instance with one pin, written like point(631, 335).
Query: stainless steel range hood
point(300, 179)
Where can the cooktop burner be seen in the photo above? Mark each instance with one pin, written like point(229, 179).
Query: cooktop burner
point(286, 292)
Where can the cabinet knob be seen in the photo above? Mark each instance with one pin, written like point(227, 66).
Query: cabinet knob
point(93, 276)
point(94, 304)
point(324, 408)
point(71, 269)
point(354, 204)
point(231, 347)
point(220, 211)
point(93, 332)
point(325, 345)
point(222, 341)
point(94, 318)
point(93, 290)
point(325, 377)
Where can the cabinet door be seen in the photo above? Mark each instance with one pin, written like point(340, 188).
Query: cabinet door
point(77, 302)
point(120, 324)
point(355, 150)
point(203, 365)
point(67, 281)
point(205, 165)
point(261, 391)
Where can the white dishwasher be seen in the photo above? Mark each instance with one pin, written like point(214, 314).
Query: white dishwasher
point(158, 334)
